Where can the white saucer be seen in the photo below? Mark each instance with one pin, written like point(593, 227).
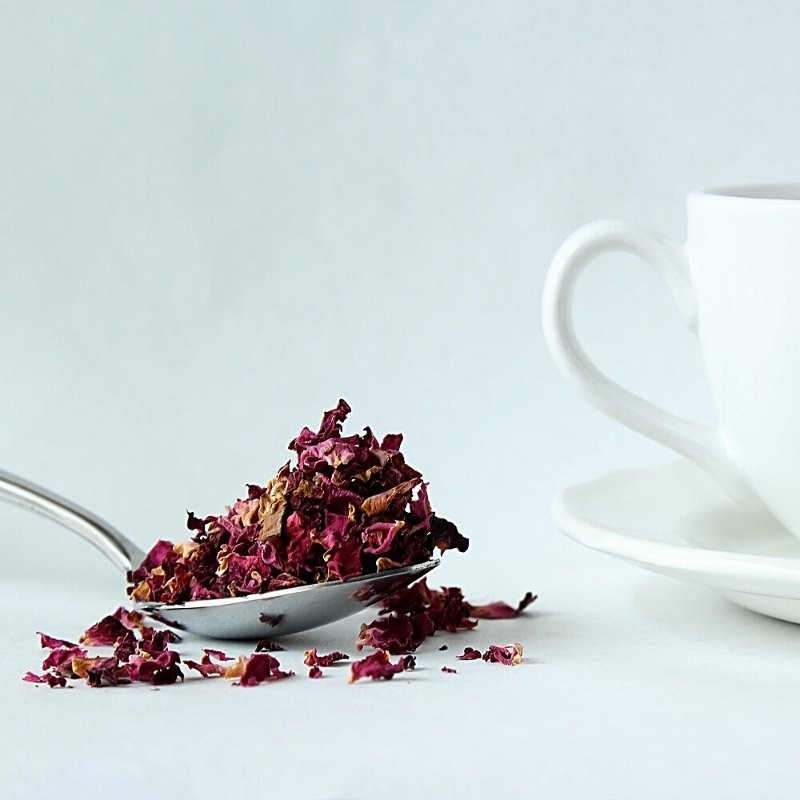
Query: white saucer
point(675, 520)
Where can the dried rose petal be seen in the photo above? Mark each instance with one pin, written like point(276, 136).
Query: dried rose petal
point(312, 658)
point(155, 641)
point(315, 672)
point(393, 634)
point(450, 670)
point(409, 663)
point(469, 654)
point(104, 633)
point(445, 535)
point(217, 654)
point(99, 671)
point(159, 669)
point(60, 660)
point(53, 681)
point(411, 599)
point(52, 642)
point(501, 610)
point(376, 665)
point(443, 647)
point(206, 667)
point(236, 669)
point(126, 647)
point(397, 633)
point(162, 552)
point(510, 655)
point(255, 669)
point(449, 611)
point(133, 620)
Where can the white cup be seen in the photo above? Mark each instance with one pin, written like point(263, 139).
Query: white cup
point(736, 283)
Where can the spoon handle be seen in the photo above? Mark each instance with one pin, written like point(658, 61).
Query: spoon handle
point(117, 548)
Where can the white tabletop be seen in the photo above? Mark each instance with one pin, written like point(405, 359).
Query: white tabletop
point(633, 685)
point(215, 222)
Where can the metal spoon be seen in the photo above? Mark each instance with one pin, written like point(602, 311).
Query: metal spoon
point(254, 616)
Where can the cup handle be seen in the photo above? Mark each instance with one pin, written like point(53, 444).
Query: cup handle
point(704, 445)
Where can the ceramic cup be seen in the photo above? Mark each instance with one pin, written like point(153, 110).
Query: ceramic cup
point(736, 283)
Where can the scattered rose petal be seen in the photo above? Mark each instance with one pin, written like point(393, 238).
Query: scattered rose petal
point(99, 671)
point(217, 654)
point(311, 658)
point(377, 665)
point(53, 681)
point(510, 655)
point(52, 642)
point(255, 669)
point(207, 668)
point(60, 660)
point(126, 647)
point(315, 672)
point(501, 610)
point(134, 620)
point(450, 670)
point(159, 669)
point(393, 634)
point(106, 632)
point(155, 641)
point(469, 654)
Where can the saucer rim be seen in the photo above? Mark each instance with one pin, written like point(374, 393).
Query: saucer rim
point(777, 576)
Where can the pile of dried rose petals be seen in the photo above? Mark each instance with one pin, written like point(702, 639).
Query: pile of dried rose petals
point(410, 615)
point(351, 506)
point(141, 653)
point(137, 652)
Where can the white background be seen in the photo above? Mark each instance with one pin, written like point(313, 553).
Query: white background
point(218, 218)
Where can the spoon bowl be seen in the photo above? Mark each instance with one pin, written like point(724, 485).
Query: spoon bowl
point(300, 608)
point(254, 616)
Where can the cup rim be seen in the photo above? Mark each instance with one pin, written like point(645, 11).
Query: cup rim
point(778, 192)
